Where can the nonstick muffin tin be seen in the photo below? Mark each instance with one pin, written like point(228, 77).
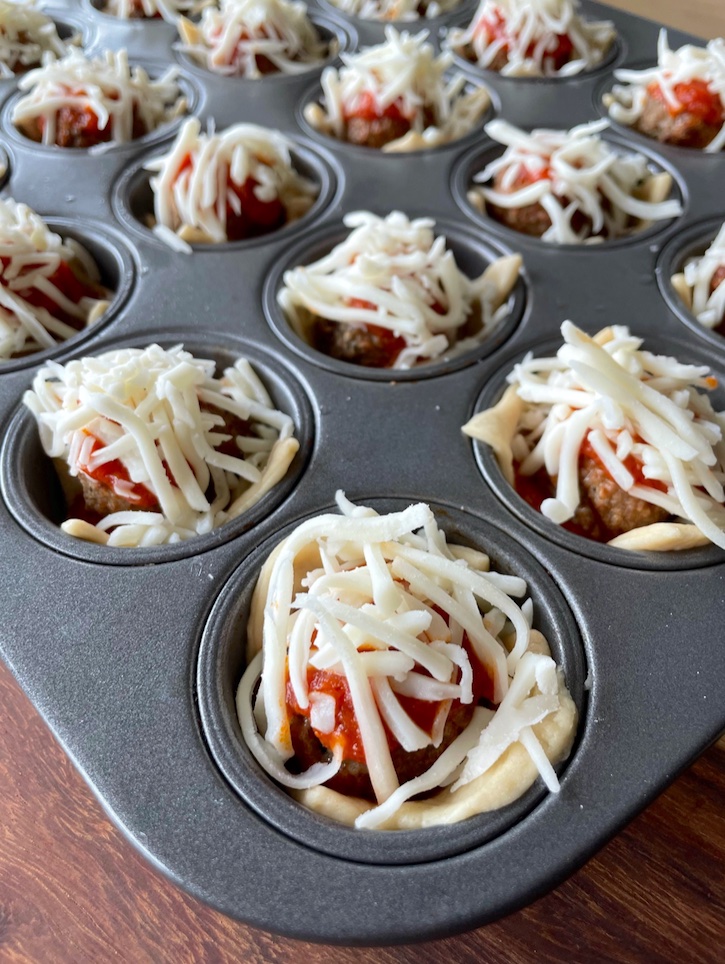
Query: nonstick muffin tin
point(132, 656)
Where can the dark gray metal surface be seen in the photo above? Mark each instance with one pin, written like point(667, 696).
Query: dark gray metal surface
point(106, 643)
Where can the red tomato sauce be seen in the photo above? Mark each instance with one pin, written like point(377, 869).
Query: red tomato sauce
point(494, 25)
point(79, 126)
point(109, 473)
point(367, 108)
point(67, 282)
point(346, 732)
point(533, 489)
point(528, 175)
point(141, 497)
point(695, 97)
point(256, 217)
point(633, 466)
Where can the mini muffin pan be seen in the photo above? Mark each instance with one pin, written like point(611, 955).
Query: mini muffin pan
point(133, 656)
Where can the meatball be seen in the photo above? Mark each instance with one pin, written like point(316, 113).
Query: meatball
point(616, 509)
point(100, 497)
point(375, 131)
point(78, 127)
point(717, 278)
point(353, 779)
point(531, 219)
point(370, 126)
point(368, 345)
point(686, 129)
point(604, 510)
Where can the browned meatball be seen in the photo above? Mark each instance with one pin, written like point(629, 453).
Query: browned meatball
point(530, 219)
point(717, 278)
point(78, 127)
point(683, 130)
point(353, 778)
point(368, 345)
point(617, 510)
point(604, 510)
point(376, 131)
point(100, 498)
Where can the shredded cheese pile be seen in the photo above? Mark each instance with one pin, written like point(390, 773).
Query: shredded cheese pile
point(386, 605)
point(708, 307)
point(153, 409)
point(30, 254)
point(528, 31)
point(229, 39)
point(404, 10)
point(627, 100)
point(626, 402)
point(26, 37)
point(193, 185)
point(170, 10)
point(403, 69)
point(407, 280)
point(108, 86)
point(576, 172)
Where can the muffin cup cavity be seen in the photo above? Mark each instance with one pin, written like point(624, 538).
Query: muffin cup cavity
point(472, 254)
point(32, 492)
point(680, 249)
point(610, 61)
point(475, 161)
point(133, 199)
point(189, 89)
point(488, 466)
point(641, 140)
point(358, 152)
point(117, 270)
point(339, 37)
point(222, 661)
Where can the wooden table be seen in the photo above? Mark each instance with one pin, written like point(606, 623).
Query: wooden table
point(72, 888)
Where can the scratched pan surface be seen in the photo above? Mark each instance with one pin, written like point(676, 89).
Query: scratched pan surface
point(132, 656)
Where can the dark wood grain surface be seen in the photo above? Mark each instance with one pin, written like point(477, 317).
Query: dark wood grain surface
point(73, 889)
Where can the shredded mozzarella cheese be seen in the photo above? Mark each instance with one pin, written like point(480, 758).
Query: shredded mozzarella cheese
point(160, 414)
point(697, 279)
point(30, 255)
point(526, 34)
point(627, 100)
point(27, 36)
point(108, 87)
point(573, 173)
point(403, 71)
point(403, 10)
point(398, 276)
point(248, 38)
point(606, 388)
point(379, 628)
point(193, 186)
